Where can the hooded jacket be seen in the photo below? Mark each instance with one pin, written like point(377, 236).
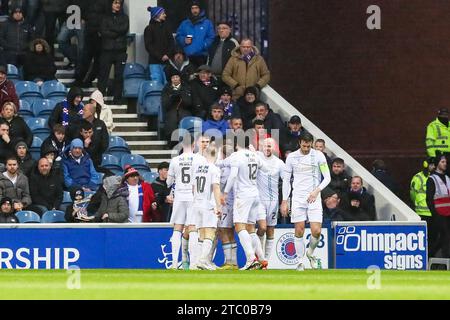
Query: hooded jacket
point(158, 41)
point(15, 36)
point(202, 31)
point(203, 96)
point(80, 174)
point(114, 30)
point(39, 65)
point(239, 75)
point(106, 114)
point(18, 193)
point(19, 130)
point(114, 200)
point(47, 190)
point(51, 144)
point(27, 164)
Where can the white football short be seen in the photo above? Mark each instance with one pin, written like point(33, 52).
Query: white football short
point(246, 210)
point(226, 220)
point(270, 212)
point(304, 211)
point(182, 212)
point(208, 218)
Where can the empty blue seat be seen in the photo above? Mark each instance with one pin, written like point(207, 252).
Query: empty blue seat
point(35, 149)
point(149, 98)
point(117, 143)
point(111, 162)
point(13, 73)
point(53, 216)
point(25, 110)
point(191, 124)
point(67, 200)
point(149, 176)
point(28, 90)
point(43, 107)
point(54, 90)
point(134, 70)
point(28, 217)
point(136, 161)
point(39, 127)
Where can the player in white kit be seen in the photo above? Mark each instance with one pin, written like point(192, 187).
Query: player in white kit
point(244, 170)
point(181, 173)
point(268, 183)
point(207, 198)
point(307, 166)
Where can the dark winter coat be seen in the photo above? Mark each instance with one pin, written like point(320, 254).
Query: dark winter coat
point(39, 65)
point(158, 41)
point(99, 143)
point(19, 130)
point(203, 96)
point(55, 6)
point(26, 165)
point(8, 218)
point(94, 15)
point(6, 150)
point(52, 144)
point(367, 203)
point(8, 94)
point(186, 70)
point(15, 36)
point(273, 121)
point(247, 111)
point(228, 45)
point(161, 192)
point(114, 30)
point(19, 192)
point(114, 201)
point(340, 183)
point(47, 190)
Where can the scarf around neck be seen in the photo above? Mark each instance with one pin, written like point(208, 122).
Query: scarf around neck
point(66, 116)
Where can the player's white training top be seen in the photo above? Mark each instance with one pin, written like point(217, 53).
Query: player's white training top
point(225, 169)
point(206, 174)
point(307, 170)
point(244, 170)
point(181, 171)
point(268, 180)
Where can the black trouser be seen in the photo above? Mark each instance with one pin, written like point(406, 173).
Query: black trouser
point(443, 227)
point(433, 235)
point(109, 58)
point(197, 61)
point(50, 26)
point(93, 48)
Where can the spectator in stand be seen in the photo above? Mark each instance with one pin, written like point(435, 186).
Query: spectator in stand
point(18, 128)
point(379, 170)
point(94, 17)
point(7, 89)
point(196, 34)
point(45, 188)
point(340, 180)
point(331, 210)
point(366, 200)
point(205, 91)
point(230, 108)
point(247, 104)
point(418, 194)
point(216, 121)
point(272, 120)
point(15, 36)
point(295, 128)
point(6, 145)
point(437, 190)
point(236, 124)
point(14, 184)
point(95, 140)
point(178, 10)
point(54, 10)
point(39, 64)
point(356, 211)
point(113, 204)
point(69, 113)
point(56, 140)
point(7, 212)
point(141, 201)
point(51, 154)
point(114, 30)
point(319, 144)
point(159, 43)
point(79, 171)
point(78, 210)
point(102, 111)
point(163, 196)
point(26, 163)
point(246, 68)
point(178, 63)
point(220, 51)
point(176, 102)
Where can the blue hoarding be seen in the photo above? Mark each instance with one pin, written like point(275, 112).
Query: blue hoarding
point(391, 245)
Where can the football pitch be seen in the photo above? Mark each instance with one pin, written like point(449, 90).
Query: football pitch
point(222, 285)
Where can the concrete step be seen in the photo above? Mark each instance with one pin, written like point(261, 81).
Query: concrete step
point(133, 136)
point(166, 153)
point(131, 126)
point(140, 145)
point(154, 162)
point(124, 117)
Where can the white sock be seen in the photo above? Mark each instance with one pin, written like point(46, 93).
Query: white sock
point(269, 246)
point(234, 253)
point(206, 248)
point(313, 244)
point(227, 252)
point(256, 243)
point(262, 239)
point(176, 243)
point(299, 248)
point(193, 247)
point(185, 249)
point(246, 243)
point(212, 253)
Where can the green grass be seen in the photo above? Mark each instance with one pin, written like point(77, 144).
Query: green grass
point(254, 285)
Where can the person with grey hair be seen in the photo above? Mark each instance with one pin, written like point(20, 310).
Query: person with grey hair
point(114, 204)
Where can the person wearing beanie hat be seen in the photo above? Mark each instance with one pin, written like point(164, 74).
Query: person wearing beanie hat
point(18, 128)
point(159, 44)
point(26, 162)
point(163, 196)
point(179, 63)
point(77, 211)
point(438, 134)
point(196, 34)
point(247, 104)
point(230, 107)
point(79, 169)
point(7, 211)
point(102, 110)
point(220, 50)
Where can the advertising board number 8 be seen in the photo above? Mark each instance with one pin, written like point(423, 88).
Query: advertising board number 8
point(319, 245)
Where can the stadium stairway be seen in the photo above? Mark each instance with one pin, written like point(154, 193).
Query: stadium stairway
point(128, 125)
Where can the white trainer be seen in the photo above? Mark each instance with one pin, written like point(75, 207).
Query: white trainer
point(300, 267)
point(315, 262)
point(251, 265)
point(204, 265)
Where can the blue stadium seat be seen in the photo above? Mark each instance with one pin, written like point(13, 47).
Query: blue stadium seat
point(136, 161)
point(43, 108)
point(67, 200)
point(28, 90)
point(149, 99)
point(35, 149)
point(191, 123)
point(53, 216)
point(54, 90)
point(134, 70)
point(133, 75)
point(117, 143)
point(28, 217)
point(112, 163)
point(149, 176)
point(25, 110)
point(39, 127)
point(13, 73)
